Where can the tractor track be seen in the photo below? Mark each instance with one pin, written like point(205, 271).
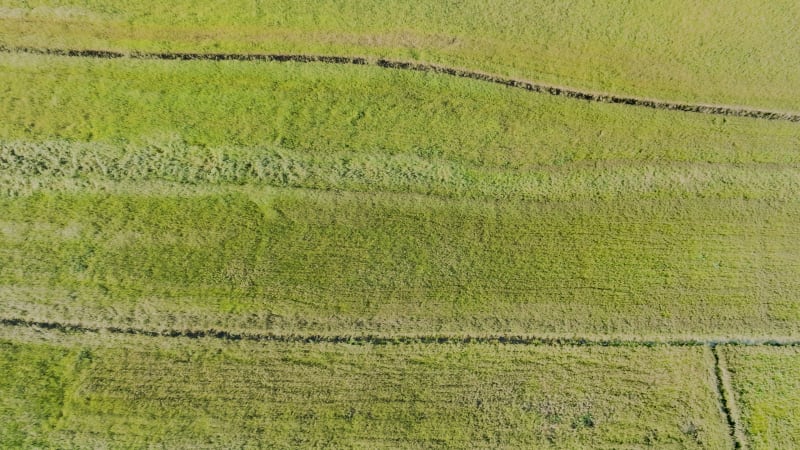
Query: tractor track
point(726, 399)
point(721, 110)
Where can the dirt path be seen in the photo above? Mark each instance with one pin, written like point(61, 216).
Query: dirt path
point(390, 339)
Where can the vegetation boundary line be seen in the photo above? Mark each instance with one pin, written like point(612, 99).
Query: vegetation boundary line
point(722, 110)
point(726, 399)
point(371, 339)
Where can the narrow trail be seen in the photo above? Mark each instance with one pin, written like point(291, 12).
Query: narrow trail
point(371, 339)
point(721, 110)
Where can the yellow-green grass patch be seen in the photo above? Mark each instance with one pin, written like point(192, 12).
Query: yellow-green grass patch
point(766, 385)
point(737, 52)
point(136, 391)
point(291, 260)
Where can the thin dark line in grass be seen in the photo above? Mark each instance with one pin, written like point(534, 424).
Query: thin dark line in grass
point(722, 110)
point(370, 339)
point(726, 399)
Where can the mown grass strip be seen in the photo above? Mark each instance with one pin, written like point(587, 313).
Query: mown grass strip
point(25, 164)
point(720, 110)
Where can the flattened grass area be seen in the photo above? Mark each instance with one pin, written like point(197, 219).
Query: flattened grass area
point(735, 52)
point(766, 383)
point(129, 391)
point(289, 260)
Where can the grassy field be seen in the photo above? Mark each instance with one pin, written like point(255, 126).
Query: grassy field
point(291, 260)
point(766, 384)
point(716, 51)
point(372, 221)
point(317, 109)
point(95, 390)
point(310, 126)
point(27, 165)
point(551, 217)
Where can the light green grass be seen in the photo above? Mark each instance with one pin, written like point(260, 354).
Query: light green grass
point(137, 392)
point(583, 218)
point(738, 52)
point(327, 109)
point(351, 200)
point(313, 126)
point(290, 260)
point(766, 383)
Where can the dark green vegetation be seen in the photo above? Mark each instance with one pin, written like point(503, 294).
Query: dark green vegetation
point(305, 200)
point(181, 393)
point(32, 391)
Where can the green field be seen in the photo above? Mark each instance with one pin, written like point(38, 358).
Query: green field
point(288, 260)
point(93, 390)
point(584, 228)
point(248, 254)
point(714, 51)
point(767, 388)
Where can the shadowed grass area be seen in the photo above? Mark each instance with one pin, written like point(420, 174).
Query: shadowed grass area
point(182, 393)
point(735, 52)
